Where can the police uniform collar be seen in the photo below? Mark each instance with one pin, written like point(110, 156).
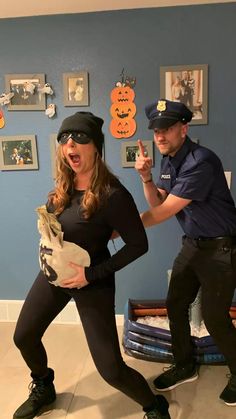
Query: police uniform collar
point(178, 158)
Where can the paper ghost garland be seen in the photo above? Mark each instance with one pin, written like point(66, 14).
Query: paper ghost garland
point(5, 98)
point(2, 120)
point(51, 110)
point(46, 89)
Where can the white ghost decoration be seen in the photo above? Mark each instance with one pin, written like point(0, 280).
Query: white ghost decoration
point(46, 89)
point(5, 98)
point(29, 87)
point(51, 110)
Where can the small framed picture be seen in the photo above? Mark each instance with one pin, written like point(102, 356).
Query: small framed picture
point(27, 95)
point(18, 152)
point(130, 150)
point(75, 89)
point(53, 150)
point(228, 176)
point(187, 84)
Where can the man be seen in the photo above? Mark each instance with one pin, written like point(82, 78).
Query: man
point(187, 90)
point(192, 186)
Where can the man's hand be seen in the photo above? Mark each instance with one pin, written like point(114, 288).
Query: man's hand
point(143, 163)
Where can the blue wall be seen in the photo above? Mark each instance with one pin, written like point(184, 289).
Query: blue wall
point(103, 43)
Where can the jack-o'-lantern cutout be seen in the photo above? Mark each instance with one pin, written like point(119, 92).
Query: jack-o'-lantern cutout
point(122, 94)
point(122, 129)
point(2, 120)
point(123, 110)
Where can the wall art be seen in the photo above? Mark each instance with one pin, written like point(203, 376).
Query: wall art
point(123, 108)
point(18, 152)
point(76, 89)
point(26, 90)
point(53, 149)
point(187, 84)
point(130, 149)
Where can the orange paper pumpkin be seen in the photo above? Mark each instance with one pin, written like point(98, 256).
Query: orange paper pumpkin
point(123, 110)
point(122, 94)
point(122, 129)
point(2, 120)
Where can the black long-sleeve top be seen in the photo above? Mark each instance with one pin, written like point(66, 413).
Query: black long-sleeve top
point(119, 213)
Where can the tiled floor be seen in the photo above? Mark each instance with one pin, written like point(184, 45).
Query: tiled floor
point(82, 394)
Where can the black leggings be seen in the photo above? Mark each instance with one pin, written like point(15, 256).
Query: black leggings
point(95, 305)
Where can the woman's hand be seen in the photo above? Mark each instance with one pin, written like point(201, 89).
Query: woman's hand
point(114, 235)
point(76, 281)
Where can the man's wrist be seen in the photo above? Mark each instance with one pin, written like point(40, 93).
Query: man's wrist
point(146, 180)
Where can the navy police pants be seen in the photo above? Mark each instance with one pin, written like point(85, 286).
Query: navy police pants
point(211, 265)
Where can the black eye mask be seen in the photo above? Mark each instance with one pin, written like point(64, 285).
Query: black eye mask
point(78, 137)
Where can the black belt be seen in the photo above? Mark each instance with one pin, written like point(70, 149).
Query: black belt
point(223, 242)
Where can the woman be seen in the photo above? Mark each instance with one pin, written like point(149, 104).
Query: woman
point(89, 203)
point(176, 90)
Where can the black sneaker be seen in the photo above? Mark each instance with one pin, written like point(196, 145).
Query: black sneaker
point(175, 376)
point(42, 393)
point(160, 411)
point(228, 395)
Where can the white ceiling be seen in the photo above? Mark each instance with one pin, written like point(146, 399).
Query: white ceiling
point(11, 8)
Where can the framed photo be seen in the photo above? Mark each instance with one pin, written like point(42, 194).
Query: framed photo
point(18, 152)
point(53, 149)
point(129, 152)
point(75, 89)
point(187, 84)
point(228, 176)
point(25, 87)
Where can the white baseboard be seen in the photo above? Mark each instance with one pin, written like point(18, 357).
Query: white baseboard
point(10, 310)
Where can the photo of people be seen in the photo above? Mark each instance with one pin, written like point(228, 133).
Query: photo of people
point(130, 152)
point(75, 88)
point(18, 153)
point(26, 90)
point(186, 85)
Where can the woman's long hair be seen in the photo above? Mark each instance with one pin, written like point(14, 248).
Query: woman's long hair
point(94, 196)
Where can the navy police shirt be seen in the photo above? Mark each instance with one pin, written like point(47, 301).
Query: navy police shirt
point(196, 173)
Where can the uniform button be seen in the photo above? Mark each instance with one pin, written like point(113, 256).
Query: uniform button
point(225, 249)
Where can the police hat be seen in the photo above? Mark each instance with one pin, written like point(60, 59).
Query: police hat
point(164, 113)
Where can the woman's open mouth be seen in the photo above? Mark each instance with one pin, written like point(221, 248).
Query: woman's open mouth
point(75, 158)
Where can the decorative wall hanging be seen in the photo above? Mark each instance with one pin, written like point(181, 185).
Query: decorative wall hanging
point(46, 89)
point(228, 176)
point(51, 110)
point(5, 98)
point(25, 88)
point(187, 84)
point(53, 149)
point(75, 89)
point(123, 109)
point(129, 152)
point(18, 152)
point(2, 119)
